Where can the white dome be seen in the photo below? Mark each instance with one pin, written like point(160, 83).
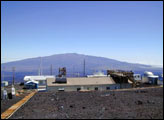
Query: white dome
point(148, 73)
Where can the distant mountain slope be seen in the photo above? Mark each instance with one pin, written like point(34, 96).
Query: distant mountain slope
point(74, 63)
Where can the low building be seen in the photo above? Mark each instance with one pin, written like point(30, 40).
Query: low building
point(84, 84)
point(150, 78)
point(52, 83)
point(161, 77)
point(40, 82)
point(160, 81)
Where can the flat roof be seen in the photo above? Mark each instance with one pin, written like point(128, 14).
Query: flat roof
point(153, 76)
point(27, 78)
point(82, 81)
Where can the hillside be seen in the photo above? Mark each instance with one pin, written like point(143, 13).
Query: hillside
point(74, 63)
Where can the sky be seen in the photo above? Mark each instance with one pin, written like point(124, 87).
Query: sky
point(130, 31)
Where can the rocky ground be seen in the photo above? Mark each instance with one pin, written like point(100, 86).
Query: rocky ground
point(5, 104)
point(134, 104)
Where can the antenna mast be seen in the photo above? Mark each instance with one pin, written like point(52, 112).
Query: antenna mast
point(40, 65)
point(51, 69)
point(4, 73)
point(13, 75)
point(84, 67)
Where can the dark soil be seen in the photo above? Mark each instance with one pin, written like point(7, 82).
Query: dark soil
point(135, 104)
point(5, 104)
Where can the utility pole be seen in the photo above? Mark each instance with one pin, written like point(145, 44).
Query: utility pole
point(73, 74)
point(84, 67)
point(40, 65)
point(51, 69)
point(3, 73)
point(39, 71)
point(13, 76)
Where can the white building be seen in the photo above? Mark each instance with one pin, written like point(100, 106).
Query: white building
point(85, 84)
point(161, 77)
point(41, 81)
point(160, 81)
point(149, 77)
point(137, 77)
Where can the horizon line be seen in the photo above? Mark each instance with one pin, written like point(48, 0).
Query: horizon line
point(153, 65)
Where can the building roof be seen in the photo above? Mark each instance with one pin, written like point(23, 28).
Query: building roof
point(82, 81)
point(154, 76)
point(146, 73)
point(4, 81)
point(32, 81)
point(27, 78)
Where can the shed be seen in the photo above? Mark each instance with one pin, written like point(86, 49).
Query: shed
point(31, 85)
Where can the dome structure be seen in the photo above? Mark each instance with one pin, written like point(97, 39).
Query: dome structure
point(148, 74)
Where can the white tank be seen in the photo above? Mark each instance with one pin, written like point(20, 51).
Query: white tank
point(13, 90)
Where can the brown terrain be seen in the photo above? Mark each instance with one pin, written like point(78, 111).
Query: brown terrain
point(5, 104)
point(138, 103)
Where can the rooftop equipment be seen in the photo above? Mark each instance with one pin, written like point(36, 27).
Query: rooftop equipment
point(62, 76)
point(97, 74)
point(62, 72)
point(120, 76)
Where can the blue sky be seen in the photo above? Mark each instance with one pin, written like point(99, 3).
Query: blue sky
point(125, 31)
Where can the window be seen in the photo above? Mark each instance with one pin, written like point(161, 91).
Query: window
point(78, 89)
point(61, 89)
point(42, 82)
point(108, 88)
point(96, 88)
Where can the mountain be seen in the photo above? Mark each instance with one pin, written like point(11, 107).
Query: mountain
point(74, 63)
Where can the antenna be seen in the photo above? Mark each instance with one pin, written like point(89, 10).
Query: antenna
point(13, 75)
point(40, 71)
point(3, 73)
point(73, 74)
